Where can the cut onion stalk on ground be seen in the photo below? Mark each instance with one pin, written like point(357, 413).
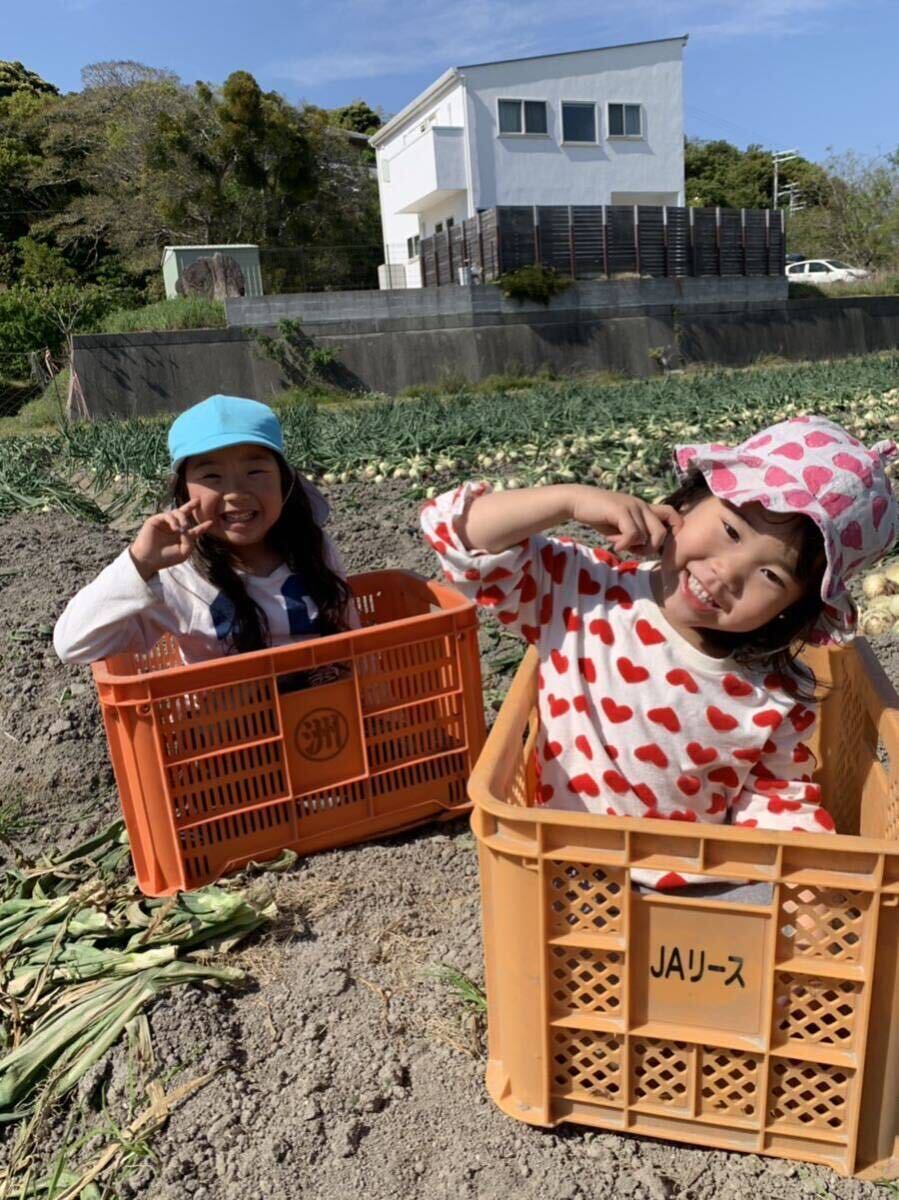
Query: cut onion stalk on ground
point(82, 952)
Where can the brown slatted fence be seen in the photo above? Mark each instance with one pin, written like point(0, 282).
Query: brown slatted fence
point(596, 241)
point(651, 240)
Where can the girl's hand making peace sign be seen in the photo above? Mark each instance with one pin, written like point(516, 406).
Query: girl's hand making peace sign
point(167, 539)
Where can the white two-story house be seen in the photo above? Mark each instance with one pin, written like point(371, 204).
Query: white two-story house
point(584, 127)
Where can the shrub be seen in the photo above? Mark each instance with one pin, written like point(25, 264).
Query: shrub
point(302, 363)
point(33, 319)
point(534, 282)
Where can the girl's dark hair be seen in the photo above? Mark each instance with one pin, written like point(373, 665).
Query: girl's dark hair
point(774, 647)
point(298, 539)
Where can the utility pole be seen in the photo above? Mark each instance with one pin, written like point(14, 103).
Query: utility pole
point(795, 194)
point(780, 157)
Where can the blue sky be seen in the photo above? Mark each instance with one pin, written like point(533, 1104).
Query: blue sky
point(810, 74)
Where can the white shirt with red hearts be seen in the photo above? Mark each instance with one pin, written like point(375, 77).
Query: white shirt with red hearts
point(634, 720)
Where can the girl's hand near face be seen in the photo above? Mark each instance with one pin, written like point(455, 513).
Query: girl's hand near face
point(167, 539)
point(627, 522)
point(499, 520)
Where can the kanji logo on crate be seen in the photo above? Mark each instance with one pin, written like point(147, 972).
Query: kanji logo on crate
point(322, 734)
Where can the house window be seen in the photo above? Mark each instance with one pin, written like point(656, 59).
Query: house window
point(413, 246)
point(450, 222)
point(578, 122)
point(522, 116)
point(438, 228)
point(385, 169)
point(625, 120)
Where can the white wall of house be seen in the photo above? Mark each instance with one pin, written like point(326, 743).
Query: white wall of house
point(423, 164)
point(446, 156)
point(545, 168)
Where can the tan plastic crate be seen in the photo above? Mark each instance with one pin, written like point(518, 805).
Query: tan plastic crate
point(773, 1028)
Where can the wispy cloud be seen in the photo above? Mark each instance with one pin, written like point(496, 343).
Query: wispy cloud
point(400, 37)
point(767, 17)
point(389, 38)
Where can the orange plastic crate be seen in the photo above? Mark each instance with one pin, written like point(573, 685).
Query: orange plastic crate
point(770, 1028)
point(236, 759)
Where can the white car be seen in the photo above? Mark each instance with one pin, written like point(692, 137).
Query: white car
point(824, 270)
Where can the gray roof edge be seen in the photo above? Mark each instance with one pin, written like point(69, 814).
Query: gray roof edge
point(683, 38)
point(420, 101)
point(423, 98)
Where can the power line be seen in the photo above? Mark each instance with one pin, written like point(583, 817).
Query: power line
point(715, 117)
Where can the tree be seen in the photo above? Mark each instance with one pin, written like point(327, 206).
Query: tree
point(14, 78)
point(95, 150)
point(237, 164)
point(719, 173)
point(357, 116)
point(858, 218)
point(22, 202)
point(122, 74)
point(98, 181)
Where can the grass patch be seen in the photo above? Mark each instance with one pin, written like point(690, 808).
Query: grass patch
point(465, 989)
point(881, 284)
point(182, 313)
point(42, 414)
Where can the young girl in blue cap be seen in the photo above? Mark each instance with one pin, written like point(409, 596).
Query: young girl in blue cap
point(240, 562)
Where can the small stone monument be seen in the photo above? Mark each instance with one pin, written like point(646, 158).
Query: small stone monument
point(215, 278)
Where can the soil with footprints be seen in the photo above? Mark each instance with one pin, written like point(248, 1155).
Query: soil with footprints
point(346, 1066)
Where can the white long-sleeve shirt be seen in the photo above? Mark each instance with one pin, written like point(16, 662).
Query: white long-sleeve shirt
point(120, 611)
point(634, 720)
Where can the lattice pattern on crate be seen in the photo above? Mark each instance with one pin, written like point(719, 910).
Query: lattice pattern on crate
point(588, 1066)
point(660, 1072)
point(413, 671)
point(199, 722)
point(823, 1011)
point(432, 727)
point(584, 898)
point(809, 1095)
point(586, 980)
point(823, 923)
point(221, 783)
point(729, 1085)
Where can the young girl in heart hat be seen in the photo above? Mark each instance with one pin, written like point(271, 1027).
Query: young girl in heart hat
point(670, 688)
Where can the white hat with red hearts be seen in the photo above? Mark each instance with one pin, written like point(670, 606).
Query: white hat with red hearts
point(811, 466)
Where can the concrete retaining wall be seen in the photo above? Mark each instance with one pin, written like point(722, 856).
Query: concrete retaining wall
point(417, 304)
point(137, 374)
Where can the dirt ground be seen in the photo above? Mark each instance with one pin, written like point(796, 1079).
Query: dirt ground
point(346, 1067)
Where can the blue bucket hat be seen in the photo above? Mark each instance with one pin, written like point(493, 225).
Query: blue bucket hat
point(233, 421)
point(223, 421)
